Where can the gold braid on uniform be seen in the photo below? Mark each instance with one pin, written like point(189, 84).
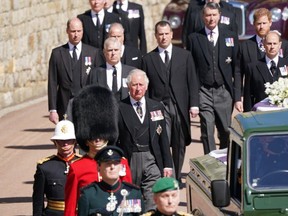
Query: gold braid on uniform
point(181, 213)
point(43, 160)
point(149, 213)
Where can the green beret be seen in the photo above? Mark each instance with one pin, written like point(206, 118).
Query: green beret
point(165, 184)
point(109, 153)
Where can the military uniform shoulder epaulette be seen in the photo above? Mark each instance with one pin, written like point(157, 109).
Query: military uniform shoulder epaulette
point(131, 185)
point(183, 213)
point(78, 157)
point(43, 160)
point(149, 213)
point(87, 186)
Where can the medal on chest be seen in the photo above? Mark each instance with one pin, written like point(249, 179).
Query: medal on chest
point(67, 168)
point(111, 205)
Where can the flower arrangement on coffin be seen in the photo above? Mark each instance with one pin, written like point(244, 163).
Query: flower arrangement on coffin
point(278, 92)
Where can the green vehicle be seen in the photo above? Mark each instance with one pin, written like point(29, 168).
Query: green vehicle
point(252, 177)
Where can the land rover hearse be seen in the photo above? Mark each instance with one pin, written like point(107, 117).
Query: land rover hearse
point(248, 178)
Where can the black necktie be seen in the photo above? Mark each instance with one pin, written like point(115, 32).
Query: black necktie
point(114, 80)
point(139, 109)
point(97, 21)
point(166, 58)
point(74, 54)
point(273, 69)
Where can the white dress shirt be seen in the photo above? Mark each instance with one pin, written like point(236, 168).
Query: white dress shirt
point(215, 34)
point(162, 52)
point(100, 16)
point(109, 72)
point(78, 49)
point(143, 106)
point(268, 62)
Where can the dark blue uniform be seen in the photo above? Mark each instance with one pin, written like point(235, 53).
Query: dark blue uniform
point(49, 181)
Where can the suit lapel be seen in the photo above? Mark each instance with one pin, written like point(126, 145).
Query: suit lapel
point(107, 21)
point(281, 64)
point(253, 49)
point(102, 76)
point(221, 43)
point(124, 56)
point(127, 110)
point(264, 71)
point(83, 66)
point(124, 74)
point(156, 61)
point(67, 59)
point(91, 28)
point(174, 58)
point(203, 41)
point(152, 124)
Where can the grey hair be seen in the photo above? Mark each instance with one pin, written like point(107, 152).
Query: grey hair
point(136, 70)
point(111, 40)
point(212, 6)
point(117, 25)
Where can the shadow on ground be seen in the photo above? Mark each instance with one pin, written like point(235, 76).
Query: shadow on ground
point(15, 200)
point(32, 147)
point(40, 130)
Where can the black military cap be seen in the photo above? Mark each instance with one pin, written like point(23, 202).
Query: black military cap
point(109, 153)
point(95, 115)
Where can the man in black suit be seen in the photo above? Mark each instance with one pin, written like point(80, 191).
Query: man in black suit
point(214, 51)
point(129, 55)
point(193, 21)
point(252, 50)
point(68, 72)
point(267, 69)
point(133, 12)
point(96, 23)
point(113, 73)
point(173, 81)
point(143, 137)
point(109, 5)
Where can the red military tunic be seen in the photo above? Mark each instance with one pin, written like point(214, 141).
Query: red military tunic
point(83, 172)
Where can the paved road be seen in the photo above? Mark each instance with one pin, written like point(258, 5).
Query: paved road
point(25, 138)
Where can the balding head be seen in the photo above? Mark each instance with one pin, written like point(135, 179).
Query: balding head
point(116, 30)
point(272, 44)
point(74, 30)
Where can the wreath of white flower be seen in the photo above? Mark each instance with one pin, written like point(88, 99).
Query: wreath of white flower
point(278, 92)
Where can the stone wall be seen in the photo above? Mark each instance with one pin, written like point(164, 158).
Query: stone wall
point(30, 29)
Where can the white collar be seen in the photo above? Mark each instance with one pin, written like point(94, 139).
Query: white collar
point(259, 39)
point(215, 30)
point(275, 59)
point(169, 49)
point(78, 46)
point(101, 13)
point(110, 67)
point(110, 9)
point(133, 101)
point(124, 5)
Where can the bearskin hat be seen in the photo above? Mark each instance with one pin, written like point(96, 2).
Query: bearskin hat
point(95, 115)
